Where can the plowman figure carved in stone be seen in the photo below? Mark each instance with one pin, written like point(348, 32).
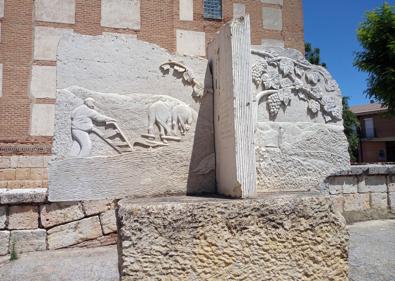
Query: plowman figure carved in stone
point(82, 126)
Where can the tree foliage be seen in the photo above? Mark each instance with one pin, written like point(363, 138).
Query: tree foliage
point(377, 57)
point(350, 120)
point(313, 55)
point(351, 125)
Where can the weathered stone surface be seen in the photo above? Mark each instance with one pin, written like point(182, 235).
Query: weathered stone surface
point(61, 11)
point(3, 216)
point(28, 240)
point(342, 185)
point(190, 42)
point(43, 84)
point(5, 162)
point(60, 213)
point(272, 43)
point(4, 242)
point(74, 233)
point(392, 201)
point(186, 10)
point(23, 217)
point(373, 184)
point(46, 40)
point(299, 108)
point(108, 222)
point(144, 79)
point(356, 202)
point(7, 174)
point(42, 123)
point(379, 200)
point(391, 184)
point(276, 2)
point(97, 207)
point(105, 240)
point(12, 196)
point(230, 57)
point(275, 238)
point(338, 202)
point(28, 161)
point(239, 10)
point(272, 18)
point(120, 13)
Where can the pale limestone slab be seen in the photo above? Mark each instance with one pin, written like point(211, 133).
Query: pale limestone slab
point(1, 79)
point(379, 200)
point(96, 207)
point(25, 195)
point(372, 184)
point(28, 161)
point(239, 10)
point(23, 217)
point(392, 201)
point(114, 34)
point(186, 10)
point(4, 242)
point(28, 240)
point(356, 202)
point(391, 184)
point(108, 222)
point(3, 216)
point(275, 2)
point(60, 213)
point(1, 8)
point(230, 57)
point(298, 118)
point(272, 18)
point(59, 11)
point(272, 43)
point(74, 232)
point(125, 78)
point(43, 84)
point(42, 122)
point(338, 185)
point(5, 162)
point(120, 13)
point(191, 42)
point(46, 40)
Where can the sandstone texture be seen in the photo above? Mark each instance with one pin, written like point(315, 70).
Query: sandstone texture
point(23, 217)
point(108, 222)
point(28, 240)
point(60, 213)
point(3, 217)
point(97, 207)
point(74, 232)
point(4, 242)
point(299, 118)
point(287, 238)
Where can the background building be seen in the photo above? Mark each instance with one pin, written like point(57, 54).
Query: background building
point(31, 29)
point(377, 134)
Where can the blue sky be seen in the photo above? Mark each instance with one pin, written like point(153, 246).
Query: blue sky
point(331, 26)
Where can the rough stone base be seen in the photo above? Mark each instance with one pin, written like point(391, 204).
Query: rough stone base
point(287, 237)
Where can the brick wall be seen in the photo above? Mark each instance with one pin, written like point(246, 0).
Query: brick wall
point(28, 64)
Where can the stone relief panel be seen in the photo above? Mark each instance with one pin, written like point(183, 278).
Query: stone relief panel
point(299, 128)
point(131, 119)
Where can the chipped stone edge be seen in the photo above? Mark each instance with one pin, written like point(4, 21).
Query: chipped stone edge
point(26, 195)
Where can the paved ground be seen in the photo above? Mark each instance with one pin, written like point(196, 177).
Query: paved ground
point(97, 264)
point(372, 258)
point(372, 251)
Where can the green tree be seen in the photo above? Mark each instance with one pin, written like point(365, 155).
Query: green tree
point(350, 120)
point(313, 55)
point(351, 126)
point(377, 57)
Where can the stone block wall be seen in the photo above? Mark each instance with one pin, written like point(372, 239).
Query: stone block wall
point(28, 222)
point(363, 193)
point(24, 172)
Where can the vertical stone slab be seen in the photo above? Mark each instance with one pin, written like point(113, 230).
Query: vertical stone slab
point(230, 59)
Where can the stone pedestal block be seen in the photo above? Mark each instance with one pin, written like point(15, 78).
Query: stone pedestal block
point(23, 217)
point(276, 238)
point(28, 240)
point(59, 213)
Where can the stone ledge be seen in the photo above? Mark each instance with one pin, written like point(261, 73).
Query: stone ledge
point(375, 169)
point(22, 196)
point(184, 238)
